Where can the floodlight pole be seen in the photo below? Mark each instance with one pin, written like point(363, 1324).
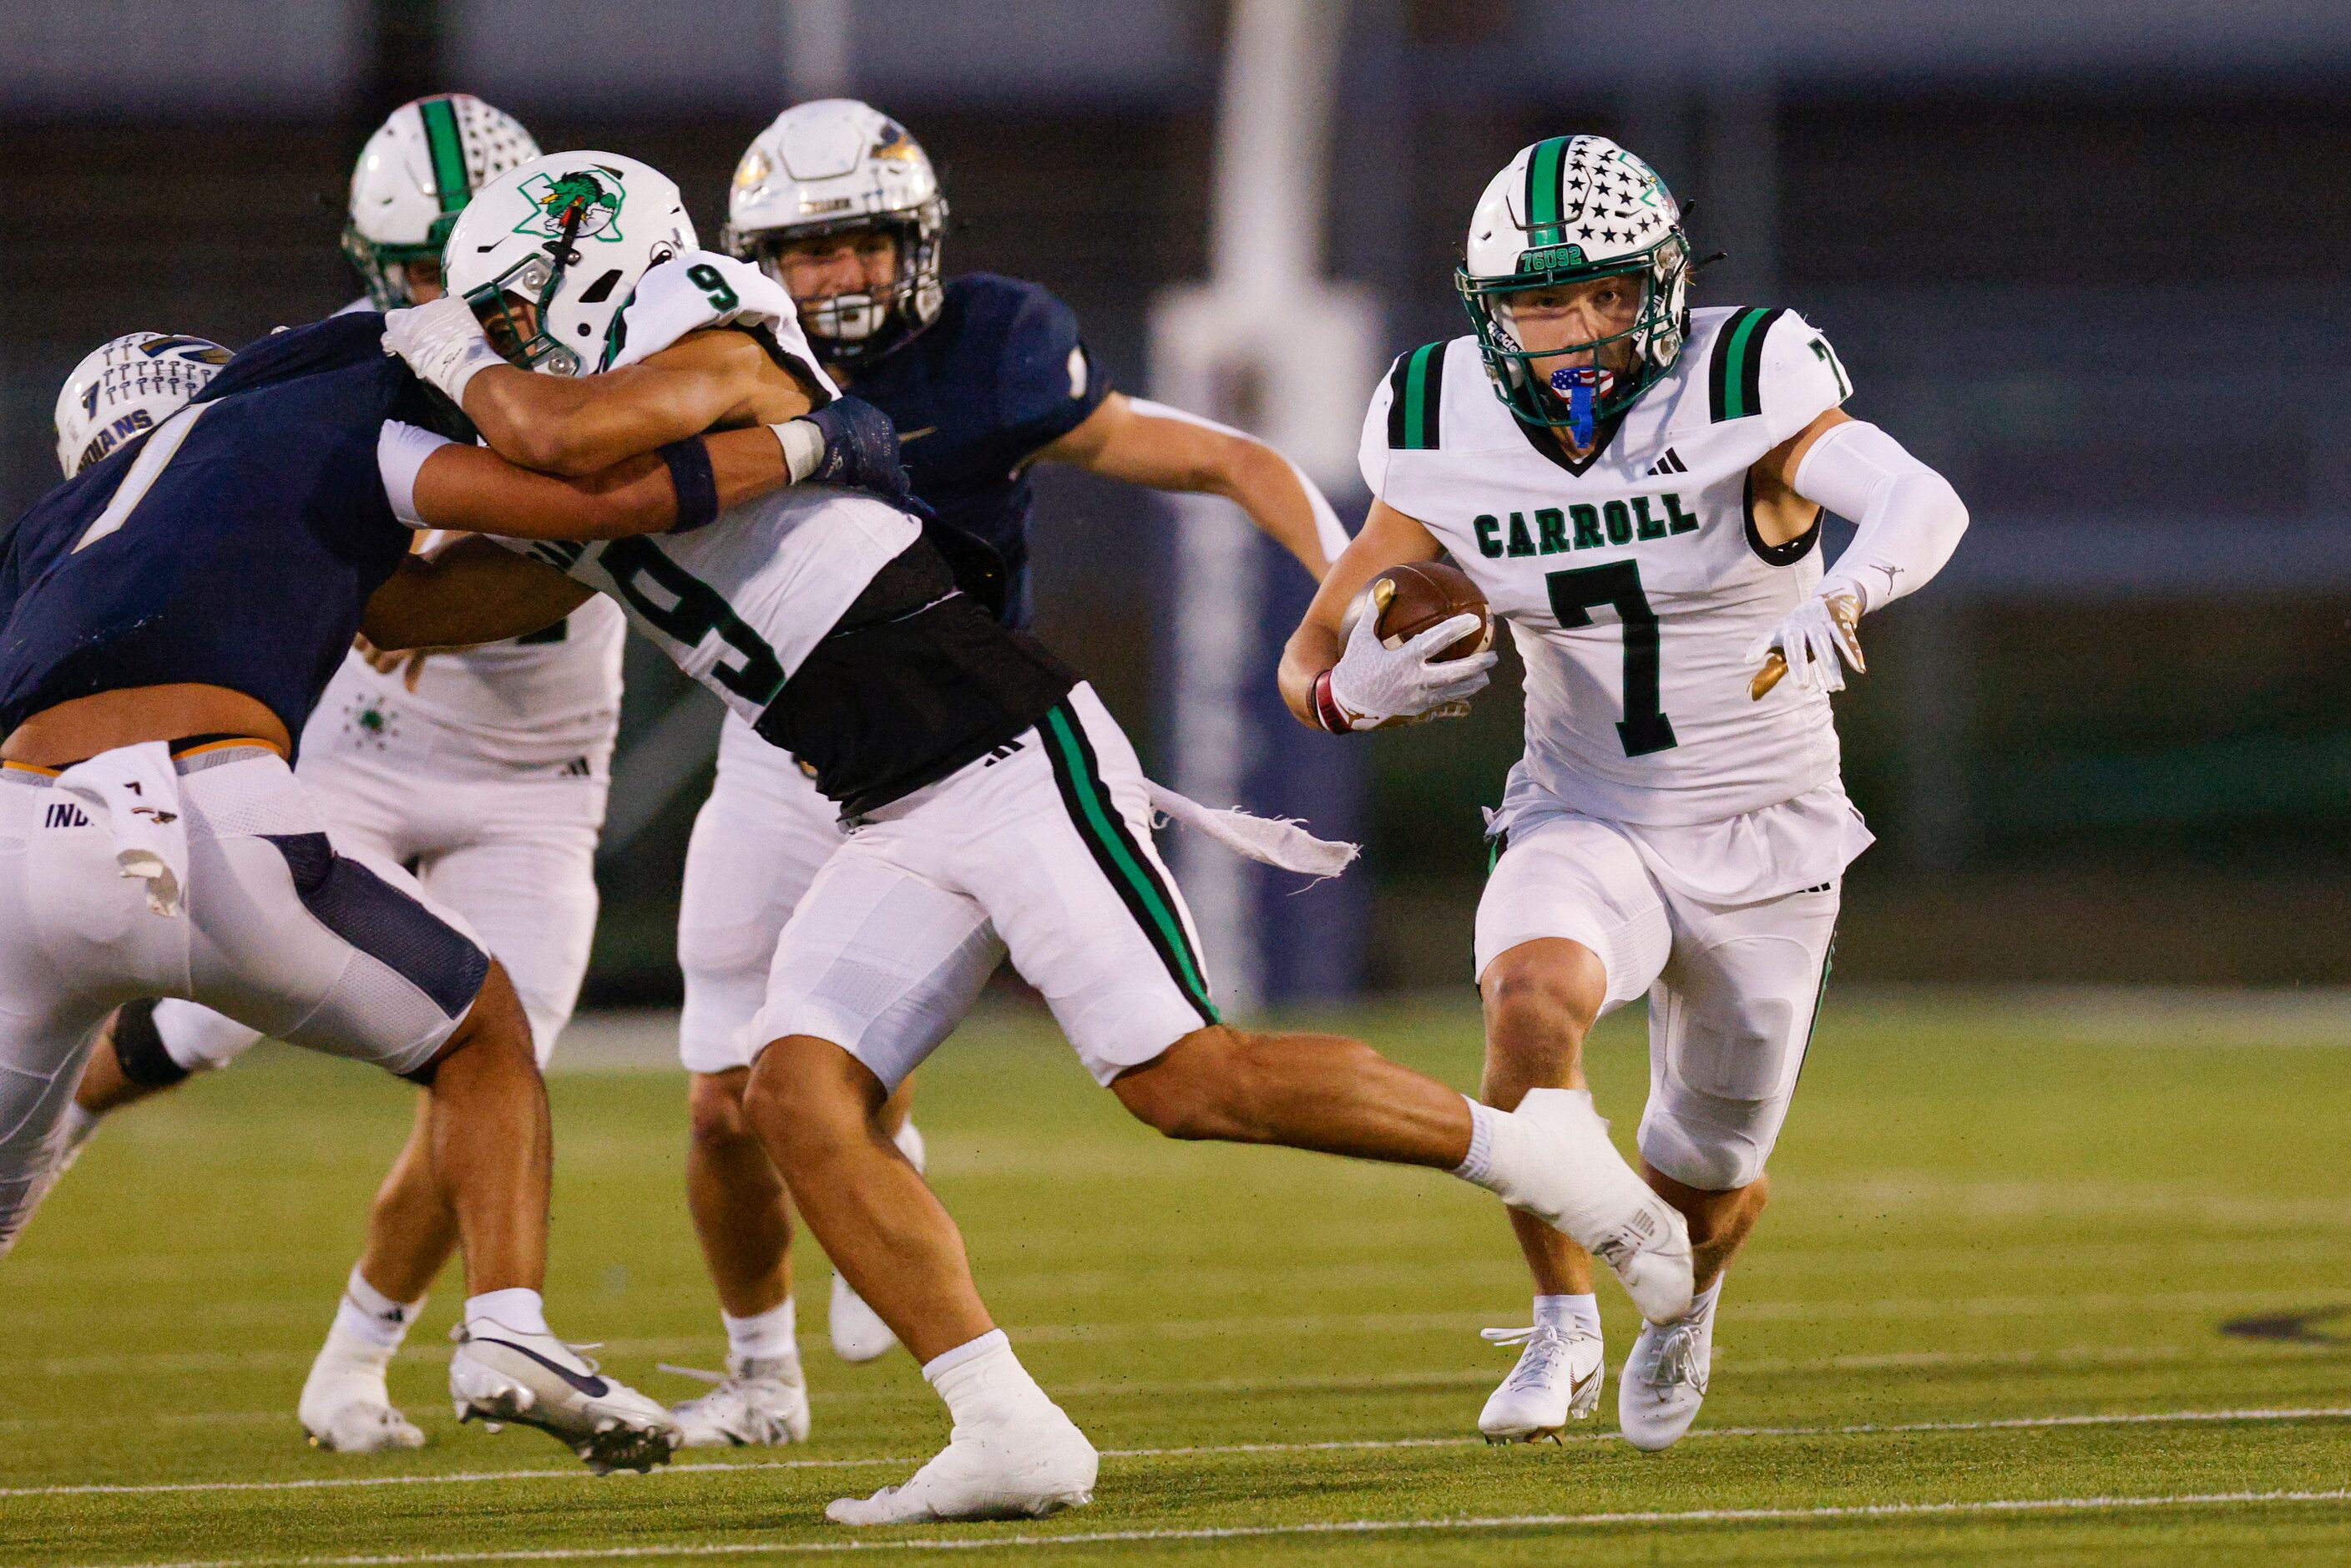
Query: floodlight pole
point(1271, 346)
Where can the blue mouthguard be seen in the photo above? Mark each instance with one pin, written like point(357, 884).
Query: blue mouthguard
point(1577, 384)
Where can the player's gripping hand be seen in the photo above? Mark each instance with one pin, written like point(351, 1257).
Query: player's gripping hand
point(1813, 646)
point(1375, 685)
point(443, 343)
point(860, 450)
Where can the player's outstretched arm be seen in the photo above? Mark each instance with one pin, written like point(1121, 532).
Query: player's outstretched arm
point(578, 425)
point(469, 591)
point(1389, 538)
point(469, 490)
point(1167, 449)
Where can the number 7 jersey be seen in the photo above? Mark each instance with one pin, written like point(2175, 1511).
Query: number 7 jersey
point(1634, 582)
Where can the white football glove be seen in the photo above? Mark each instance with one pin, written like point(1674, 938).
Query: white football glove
point(1809, 644)
point(443, 343)
point(1378, 684)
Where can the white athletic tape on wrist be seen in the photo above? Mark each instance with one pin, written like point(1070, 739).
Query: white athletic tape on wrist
point(803, 445)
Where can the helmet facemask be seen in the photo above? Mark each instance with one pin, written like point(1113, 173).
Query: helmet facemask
point(513, 307)
point(390, 270)
point(862, 325)
point(1579, 386)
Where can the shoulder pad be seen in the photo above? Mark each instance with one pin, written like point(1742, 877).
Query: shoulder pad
point(1774, 364)
point(693, 292)
point(1734, 368)
point(336, 343)
point(1416, 398)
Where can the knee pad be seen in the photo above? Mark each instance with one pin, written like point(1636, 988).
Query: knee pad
point(1714, 1147)
point(138, 1048)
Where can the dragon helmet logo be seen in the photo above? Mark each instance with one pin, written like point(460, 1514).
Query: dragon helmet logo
point(594, 193)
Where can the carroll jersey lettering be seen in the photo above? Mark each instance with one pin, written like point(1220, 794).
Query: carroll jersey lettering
point(1634, 581)
point(999, 374)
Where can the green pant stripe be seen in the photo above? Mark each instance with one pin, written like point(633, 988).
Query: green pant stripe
point(1094, 810)
point(448, 152)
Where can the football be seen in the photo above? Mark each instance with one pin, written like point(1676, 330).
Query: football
point(1410, 599)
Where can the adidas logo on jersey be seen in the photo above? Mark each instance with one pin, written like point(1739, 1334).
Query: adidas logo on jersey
point(1671, 463)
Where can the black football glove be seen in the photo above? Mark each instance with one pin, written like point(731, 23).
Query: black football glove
point(860, 450)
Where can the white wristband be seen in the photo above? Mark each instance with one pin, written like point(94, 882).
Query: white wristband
point(803, 445)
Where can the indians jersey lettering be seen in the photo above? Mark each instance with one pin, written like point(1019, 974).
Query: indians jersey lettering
point(1634, 581)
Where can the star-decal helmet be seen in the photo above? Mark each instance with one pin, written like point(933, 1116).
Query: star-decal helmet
point(414, 176)
point(1568, 210)
point(836, 166)
point(126, 388)
point(549, 254)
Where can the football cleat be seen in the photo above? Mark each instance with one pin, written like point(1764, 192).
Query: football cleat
point(501, 1374)
point(761, 1402)
point(1587, 1190)
point(1665, 1381)
point(1557, 1380)
point(1015, 1469)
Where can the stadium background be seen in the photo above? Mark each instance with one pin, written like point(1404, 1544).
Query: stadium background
point(2089, 260)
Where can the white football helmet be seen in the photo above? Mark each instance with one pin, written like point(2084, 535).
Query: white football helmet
point(414, 176)
point(1566, 210)
point(835, 166)
point(550, 253)
point(127, 387)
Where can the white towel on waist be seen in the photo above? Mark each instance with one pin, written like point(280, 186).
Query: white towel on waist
point(133, 791)
point(1268, 841)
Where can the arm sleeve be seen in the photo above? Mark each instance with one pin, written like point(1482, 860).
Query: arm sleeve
point(400, 452)
point(1330, 532)
point(1049, 384)
point(1910, 518)
point(1802, 377)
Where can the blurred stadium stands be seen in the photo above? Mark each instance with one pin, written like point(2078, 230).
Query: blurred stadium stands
point(2092, 260)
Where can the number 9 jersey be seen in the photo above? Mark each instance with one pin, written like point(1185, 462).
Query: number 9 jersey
point(1634, 582)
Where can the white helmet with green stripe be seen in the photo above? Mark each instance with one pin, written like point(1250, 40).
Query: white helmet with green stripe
point(548, 255)
point(414, 176)
point(1566, 211)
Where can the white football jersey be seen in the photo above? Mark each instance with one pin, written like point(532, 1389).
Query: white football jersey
point(737, 603)
point(1634, 582)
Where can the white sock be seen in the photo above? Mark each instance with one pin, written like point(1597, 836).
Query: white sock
point(523, 1311)
point(770, 1335)
point(1475, 1165)
point(983, 1382)
point(79, 1125)
point(1571, 1315)
point(1504, 1149)
point(909, 1139)
point(1702, 1305)
point(368, 1315)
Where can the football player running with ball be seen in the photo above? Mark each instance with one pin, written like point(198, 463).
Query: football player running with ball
point(1636, 487)
point(487, 770)
point(984, 376)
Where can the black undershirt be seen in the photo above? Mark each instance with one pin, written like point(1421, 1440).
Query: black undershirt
point(914, 682)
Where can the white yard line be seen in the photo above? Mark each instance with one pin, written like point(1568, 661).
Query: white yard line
point(1864, 1429)
point(1867, 1512)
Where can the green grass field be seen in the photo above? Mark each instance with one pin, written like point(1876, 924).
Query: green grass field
point(1982, 1322)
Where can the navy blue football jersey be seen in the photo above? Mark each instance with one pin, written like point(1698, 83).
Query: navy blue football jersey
point(241, 559)
point(1000, 373)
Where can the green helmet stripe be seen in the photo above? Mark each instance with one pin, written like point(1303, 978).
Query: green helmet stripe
point(1543, 226)
point(448, 153)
